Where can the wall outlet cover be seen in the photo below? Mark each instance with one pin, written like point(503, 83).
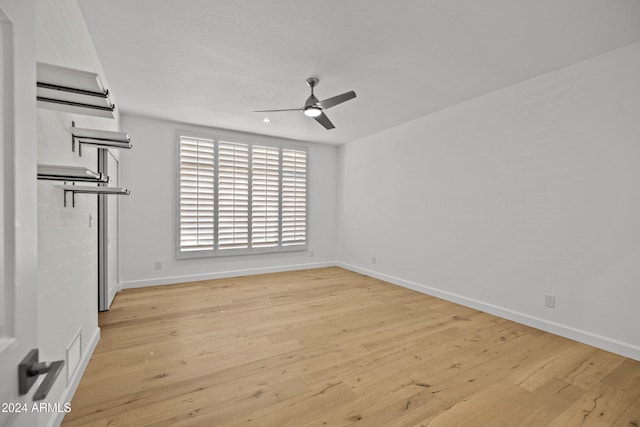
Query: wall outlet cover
point(550, 301)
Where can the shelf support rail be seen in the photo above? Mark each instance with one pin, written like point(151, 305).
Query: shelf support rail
point(52, 86)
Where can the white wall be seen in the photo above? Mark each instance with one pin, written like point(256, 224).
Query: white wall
point(67, 236)
point(148, 215)
point(527, 191)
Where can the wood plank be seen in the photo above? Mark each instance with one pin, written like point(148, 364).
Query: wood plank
point(602, 406)
point(630, 417)
point(482, 408)
point(626, 377)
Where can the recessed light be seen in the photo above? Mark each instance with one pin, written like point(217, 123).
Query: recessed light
point(266, 120)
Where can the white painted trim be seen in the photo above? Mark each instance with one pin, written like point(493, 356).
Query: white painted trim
point(56, 417)
point(223, 274)
point(615, 346)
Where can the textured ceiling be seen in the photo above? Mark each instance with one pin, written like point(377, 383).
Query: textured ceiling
point(213, 62)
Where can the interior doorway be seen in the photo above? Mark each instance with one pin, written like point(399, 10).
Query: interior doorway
point(108, 273)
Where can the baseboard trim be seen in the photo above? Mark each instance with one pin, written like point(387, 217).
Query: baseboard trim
point(223, 274)
point(614, 346)
point(67, 395)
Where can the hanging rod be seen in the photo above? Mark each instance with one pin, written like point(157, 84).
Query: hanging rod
point(108, 108)
point(98, 138)
point(70, 173)
point(72, 91)
point(85, 189)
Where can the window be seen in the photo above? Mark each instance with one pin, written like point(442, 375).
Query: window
point(239, 198)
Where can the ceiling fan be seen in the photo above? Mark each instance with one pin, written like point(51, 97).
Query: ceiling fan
point(315, 108)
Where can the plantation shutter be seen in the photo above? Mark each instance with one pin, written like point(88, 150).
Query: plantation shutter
point(239, 198)
point(265, 196)
point(233, 195)
point(196, 194)
point(294, 197)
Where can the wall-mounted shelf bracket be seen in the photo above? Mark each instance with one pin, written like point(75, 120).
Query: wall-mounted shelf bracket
point(85, 189)
point(98, 138)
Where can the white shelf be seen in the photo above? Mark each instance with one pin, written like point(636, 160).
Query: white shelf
point(69, 173)
point(100, 138)
point(72, 91)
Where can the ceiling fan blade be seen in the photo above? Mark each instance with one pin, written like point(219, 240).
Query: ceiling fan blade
point(324, 121)
point(275, 111)
point(335, 100)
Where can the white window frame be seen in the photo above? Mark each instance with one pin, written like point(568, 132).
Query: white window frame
point(216, 251)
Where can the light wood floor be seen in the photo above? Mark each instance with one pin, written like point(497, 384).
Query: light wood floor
point(329, 347)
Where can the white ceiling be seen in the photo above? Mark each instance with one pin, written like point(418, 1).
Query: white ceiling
point(212, 62)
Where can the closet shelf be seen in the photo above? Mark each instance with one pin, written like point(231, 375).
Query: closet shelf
point(86, 189)
point(70, 173)
point(98, 138)
point(72, 91)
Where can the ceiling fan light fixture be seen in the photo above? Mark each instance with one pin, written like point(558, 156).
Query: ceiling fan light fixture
point(314, 108)
point(312, 111)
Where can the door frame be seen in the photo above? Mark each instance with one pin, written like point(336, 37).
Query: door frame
point(105, 293)
point(18, 201)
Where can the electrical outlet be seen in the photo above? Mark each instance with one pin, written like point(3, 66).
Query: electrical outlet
point(157, 265)
point(312, 254)
point(373, 260)
point(550, 301)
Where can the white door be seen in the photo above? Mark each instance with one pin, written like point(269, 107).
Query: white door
point(18, 206)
